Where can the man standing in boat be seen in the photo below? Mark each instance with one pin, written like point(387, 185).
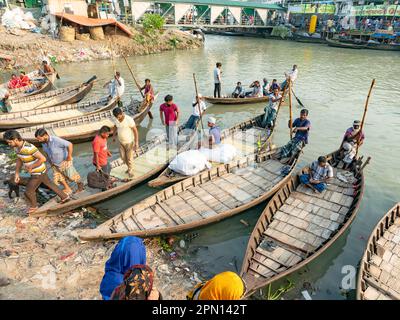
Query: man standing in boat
point(292, 75)
point(148, 90)
point(169, 115)
point(100, 150)
point(271, 109)
point(34, 163)
point(128, 137)
point(116, 87)
point(301, 129)
point(59, 154)
point(198, 106)
point(217, 80)
point(319, 174)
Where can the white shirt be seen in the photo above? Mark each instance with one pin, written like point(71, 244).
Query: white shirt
point(203, 107)
point(117, 89)
point(321, 172)
point(272, 104)
point(217, 75)
point(293, 75)
point(3, 92)
point(125, 133)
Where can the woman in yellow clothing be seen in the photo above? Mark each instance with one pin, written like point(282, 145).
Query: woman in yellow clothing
point(224, 286)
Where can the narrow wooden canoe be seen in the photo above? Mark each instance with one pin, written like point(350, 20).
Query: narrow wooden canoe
point(16, 120)
point(298, 225)
point(40, 84)
point(150, 159)
point(384, 47)
point(68, 95)
point(308, 39)
point(382, 255)
point(339, 44)
point(230, 100)
point(244, 136)
point(84, 128)
point(205, 198)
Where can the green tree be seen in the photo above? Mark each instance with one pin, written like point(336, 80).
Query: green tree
point(153, 22)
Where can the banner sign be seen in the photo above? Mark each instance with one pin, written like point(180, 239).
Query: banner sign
point(312, 8)
point(378, 10)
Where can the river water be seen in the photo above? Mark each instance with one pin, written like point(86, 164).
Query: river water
point(332, 83)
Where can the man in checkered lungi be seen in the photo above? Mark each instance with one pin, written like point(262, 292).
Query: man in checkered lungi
point(301, 129)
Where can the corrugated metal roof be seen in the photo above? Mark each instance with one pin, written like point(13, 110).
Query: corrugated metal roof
point(227, 3)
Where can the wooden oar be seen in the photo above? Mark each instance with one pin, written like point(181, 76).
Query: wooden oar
point(198, 101)
point(364, 116)
point(290, 109)
point(298, 100)
point(137, 84)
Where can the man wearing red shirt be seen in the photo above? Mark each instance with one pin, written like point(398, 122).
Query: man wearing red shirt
point(14, 82)
point(100, 150)
point(24, 79)
point(170, 111)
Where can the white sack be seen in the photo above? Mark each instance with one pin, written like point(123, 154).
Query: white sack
point(189, 163)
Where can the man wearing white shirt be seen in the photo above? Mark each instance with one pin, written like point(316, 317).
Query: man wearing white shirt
point(292, 75)
point(128, 137)
point(198, 105)
point(217, 80)
point(116, 87)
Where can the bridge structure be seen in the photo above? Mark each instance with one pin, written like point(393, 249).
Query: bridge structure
point(209, 13)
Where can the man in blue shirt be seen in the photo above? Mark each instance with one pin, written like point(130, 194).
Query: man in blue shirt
point(59, 155)
point(301, 129)
point(214, 131)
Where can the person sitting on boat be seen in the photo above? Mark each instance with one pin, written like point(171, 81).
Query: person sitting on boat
point(137, 285)
point(24, 79)
point(292, 75)
point(3, 97)
point(224, 286)
point(347, 152)
point(274, 85)
point(319, 174)
point(59, 154)
point(14, 82)
point(239, 91)
point(46, 68)
point(100, 150)
point(301, 129)
point(148, 90)
point(214, 132)
point(128, 252)
point(266, 87)
point(195, 117)
point(128, 138)
point(34, 163)
point(116, 87)
point(256, 92)
point(354, 134)
point(271, 109)
point(169, 115)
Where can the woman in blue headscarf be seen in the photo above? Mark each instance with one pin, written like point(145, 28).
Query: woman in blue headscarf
point(128, 252)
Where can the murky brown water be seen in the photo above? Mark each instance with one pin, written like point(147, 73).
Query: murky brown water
point(332, 84)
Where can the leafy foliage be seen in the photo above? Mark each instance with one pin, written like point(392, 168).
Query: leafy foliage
point(153, 22)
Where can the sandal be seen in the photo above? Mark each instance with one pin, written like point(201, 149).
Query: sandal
point(32, 210)
point(68, 198)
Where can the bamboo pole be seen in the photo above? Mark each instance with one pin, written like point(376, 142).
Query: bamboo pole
point(290, 109)
point(198, 101)
point(364, 116)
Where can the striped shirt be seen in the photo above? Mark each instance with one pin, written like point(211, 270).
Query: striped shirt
point(26, 155)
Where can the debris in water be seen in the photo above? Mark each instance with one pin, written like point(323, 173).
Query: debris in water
point(306, 295)
point(244, 222)
point(182, 243)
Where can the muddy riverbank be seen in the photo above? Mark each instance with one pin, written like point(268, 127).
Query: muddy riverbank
point(27, 48)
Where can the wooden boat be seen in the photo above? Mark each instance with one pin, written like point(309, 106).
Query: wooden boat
point(339, 44)
point(16, 120)
point(149, 159)
point(68, 95)
point(298, 225)
point(244, 136)
point(384, 47)
point(230, 100)
point(40, 84)
point(84, 128)
point(379, 274)
point(205, 198)
point(307, 39)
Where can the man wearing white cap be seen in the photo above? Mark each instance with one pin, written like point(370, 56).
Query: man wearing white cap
point(198, 106)
point(354, 134)
point(214, 132)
